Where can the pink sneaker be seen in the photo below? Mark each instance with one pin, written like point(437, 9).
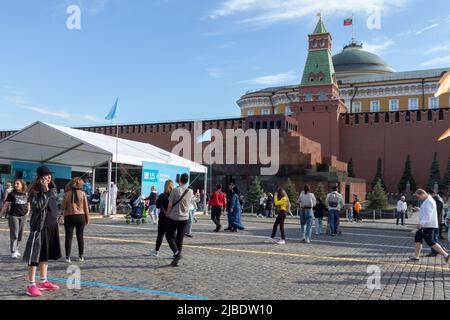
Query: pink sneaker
point(33, 291)
point(48, 286)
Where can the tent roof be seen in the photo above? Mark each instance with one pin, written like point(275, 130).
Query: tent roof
point(53, 144)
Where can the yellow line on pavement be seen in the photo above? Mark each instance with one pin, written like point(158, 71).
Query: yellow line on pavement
point(271, 253)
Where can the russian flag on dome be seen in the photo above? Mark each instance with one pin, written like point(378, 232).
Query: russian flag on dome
point(348, 22)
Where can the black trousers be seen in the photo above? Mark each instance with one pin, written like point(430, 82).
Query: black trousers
point(216, 212)
point(175, 234)
point(162, 228)
point(279, 222)
point(75, 222)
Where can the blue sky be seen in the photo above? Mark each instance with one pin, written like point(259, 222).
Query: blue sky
point(180, 59)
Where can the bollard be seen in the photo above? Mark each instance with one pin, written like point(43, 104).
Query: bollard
point(374, 217)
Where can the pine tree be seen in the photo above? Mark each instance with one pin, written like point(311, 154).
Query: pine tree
point(379, 175)
point(254, 192)
point(320, 192)
point(378, 198)
point(446, 181)
point(292, 193)
point(123, 185)
point(137, 185)
point(350, 170)
point(407, 177)
point(435, 174)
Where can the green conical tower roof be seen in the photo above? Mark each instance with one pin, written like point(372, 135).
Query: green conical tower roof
point(320, 28)
point(319, 63)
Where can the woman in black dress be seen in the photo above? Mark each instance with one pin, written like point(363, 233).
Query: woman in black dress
point(43, 244)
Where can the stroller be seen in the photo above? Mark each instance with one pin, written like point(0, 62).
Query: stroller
point(139, 211)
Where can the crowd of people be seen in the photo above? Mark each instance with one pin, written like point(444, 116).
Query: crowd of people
point(173, 211)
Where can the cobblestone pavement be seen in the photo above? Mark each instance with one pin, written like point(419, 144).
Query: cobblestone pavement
point(237, 266)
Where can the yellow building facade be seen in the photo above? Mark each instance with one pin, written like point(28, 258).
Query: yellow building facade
point(366, 83)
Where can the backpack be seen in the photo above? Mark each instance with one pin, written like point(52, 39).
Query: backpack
point(333, 200)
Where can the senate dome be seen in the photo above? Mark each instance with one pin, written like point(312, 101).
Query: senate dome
point(353, 61)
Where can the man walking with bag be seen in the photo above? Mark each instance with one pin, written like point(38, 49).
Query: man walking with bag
point(178, 216)
point(335, 203)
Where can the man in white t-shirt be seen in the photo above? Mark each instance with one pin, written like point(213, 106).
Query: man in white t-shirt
point(402, 207)
point(428, 223)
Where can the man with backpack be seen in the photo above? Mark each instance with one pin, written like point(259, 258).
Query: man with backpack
point(334, 203)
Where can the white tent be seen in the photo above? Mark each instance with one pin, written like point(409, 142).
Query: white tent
point(83, 150)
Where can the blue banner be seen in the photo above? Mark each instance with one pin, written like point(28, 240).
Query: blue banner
point(156, 174)
point(28, 170)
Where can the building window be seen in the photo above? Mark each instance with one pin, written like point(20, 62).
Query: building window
point(250, 113)
point(357, 107)
point(397, 117)
point(386, 117)
point(377, 117)
point(272, 125)
point(393, 105)
point(258, 125)
point(357, 119)
point(250, 125)
point(419, 115)
point(375, 106)
point(322, 96)
point(413, 103)
point(279, 124)
point(441, 114)
point(433, 102)
point(265, 112)
point(264, 124)
point(308, 96)
point(366, 118)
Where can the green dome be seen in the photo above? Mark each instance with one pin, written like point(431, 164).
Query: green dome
point(354, 60)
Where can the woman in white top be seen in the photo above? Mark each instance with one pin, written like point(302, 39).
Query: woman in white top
point(307, 202)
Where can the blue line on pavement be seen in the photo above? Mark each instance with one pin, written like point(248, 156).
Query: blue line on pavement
point(131, 289)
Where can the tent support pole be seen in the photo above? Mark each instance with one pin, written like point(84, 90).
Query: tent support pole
point(206, 193)
point(93, 179)
point(108, 188)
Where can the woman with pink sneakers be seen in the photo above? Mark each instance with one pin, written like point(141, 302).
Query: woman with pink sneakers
point(43, 243)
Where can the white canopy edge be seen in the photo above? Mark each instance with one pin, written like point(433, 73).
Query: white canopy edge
point(54, 144)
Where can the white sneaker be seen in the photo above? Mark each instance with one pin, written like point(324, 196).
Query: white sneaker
point(154, 253)
point(281, 242)
point(307, 241)
point(14, 255)
point(68, 260)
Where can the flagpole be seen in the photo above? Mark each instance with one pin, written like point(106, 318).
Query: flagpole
point(353, 28)
point(117, 149)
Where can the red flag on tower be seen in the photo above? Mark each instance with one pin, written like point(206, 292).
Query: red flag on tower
point(348, 22)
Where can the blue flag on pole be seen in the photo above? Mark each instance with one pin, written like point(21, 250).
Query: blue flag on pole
point(205, 137)
point(114, 110)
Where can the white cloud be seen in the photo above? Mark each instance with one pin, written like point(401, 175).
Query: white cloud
point(272, 79)
point(441, 62)
point(379, 48)
point(427, 28)
point(264, 12)
point(20, 101)
point(438, 48)
point(215, 73)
